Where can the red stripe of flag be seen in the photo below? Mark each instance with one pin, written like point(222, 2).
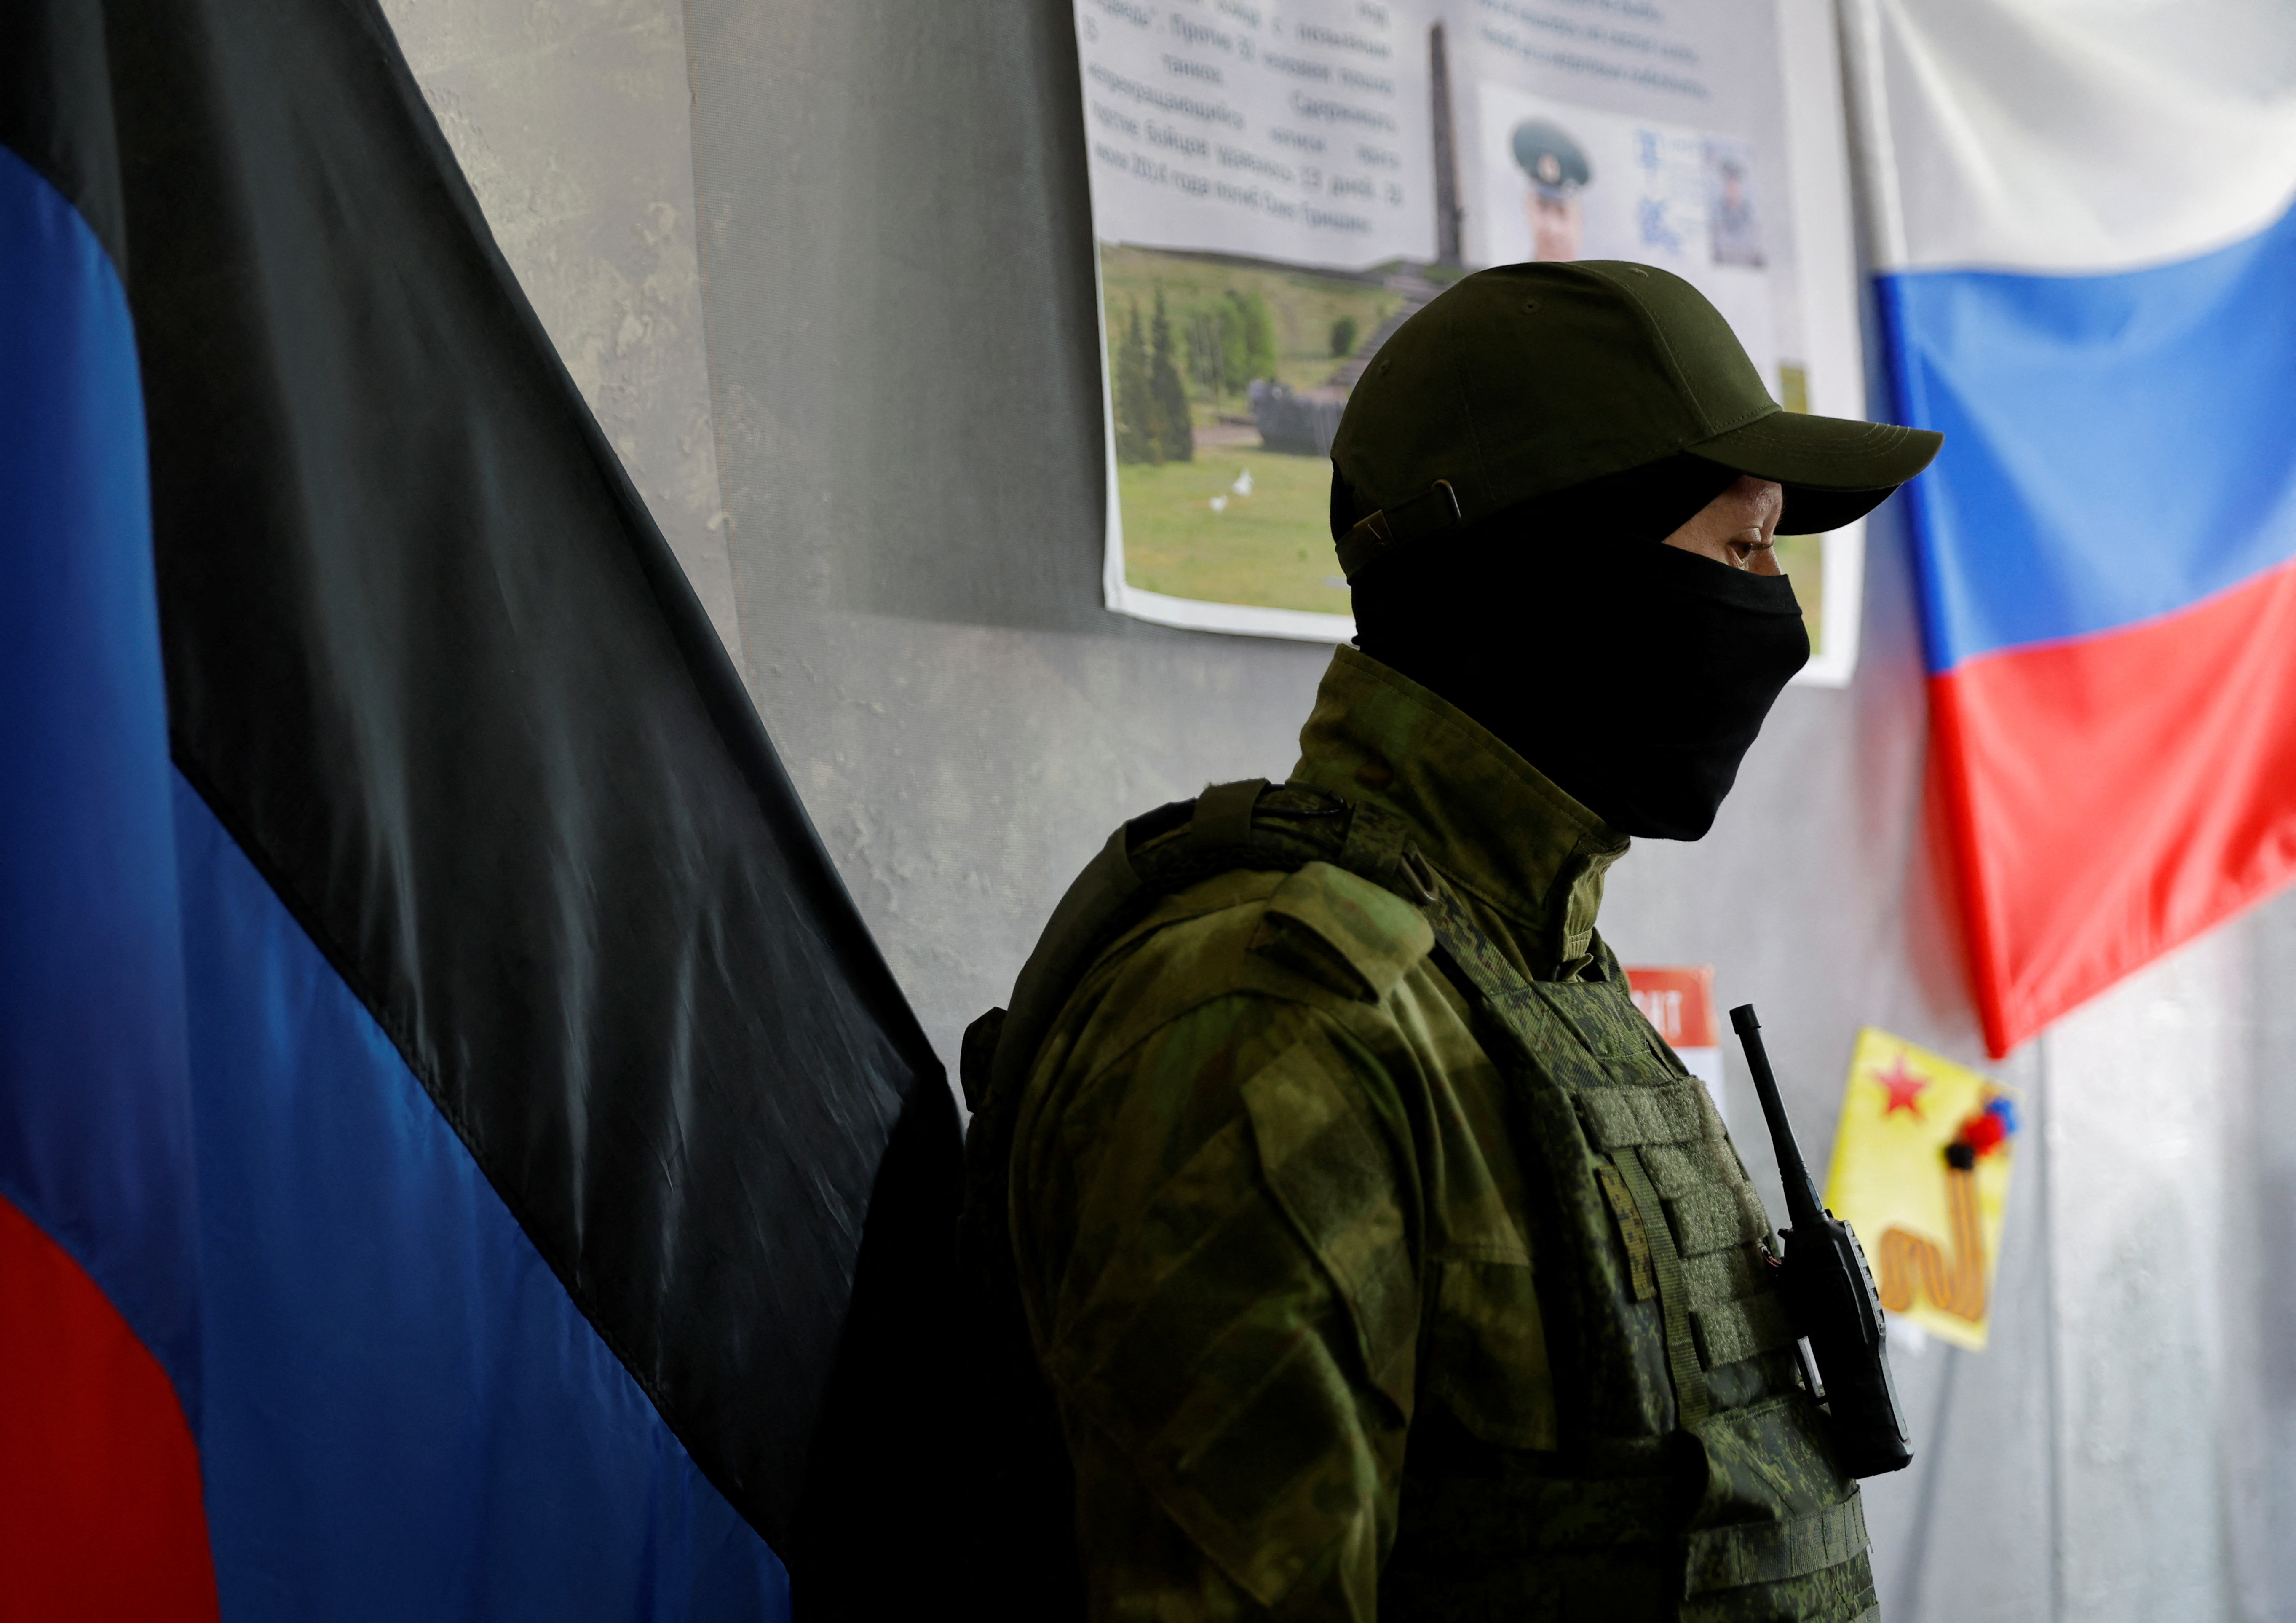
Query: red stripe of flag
point(100, 1510)
point(2114, 796)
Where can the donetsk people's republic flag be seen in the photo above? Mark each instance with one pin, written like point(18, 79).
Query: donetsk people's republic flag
point(2090, 287)
point(442, 1078)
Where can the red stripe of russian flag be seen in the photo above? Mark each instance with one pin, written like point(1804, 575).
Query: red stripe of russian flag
point(2114, 793)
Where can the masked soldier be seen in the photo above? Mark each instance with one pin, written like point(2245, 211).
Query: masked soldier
point(1365, 1252)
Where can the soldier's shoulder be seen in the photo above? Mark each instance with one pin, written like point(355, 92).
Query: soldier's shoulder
point(1340, 930)
point(1319, 933)
point(1238, 956)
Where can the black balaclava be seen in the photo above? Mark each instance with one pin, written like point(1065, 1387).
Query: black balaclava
point(1632, 673)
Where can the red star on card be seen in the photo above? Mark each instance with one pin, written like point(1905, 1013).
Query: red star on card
point(1905, 1085)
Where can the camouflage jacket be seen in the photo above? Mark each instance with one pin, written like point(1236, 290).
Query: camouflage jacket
point(1373, 1276)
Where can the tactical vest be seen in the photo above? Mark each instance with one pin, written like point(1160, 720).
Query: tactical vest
point(1693, 1477)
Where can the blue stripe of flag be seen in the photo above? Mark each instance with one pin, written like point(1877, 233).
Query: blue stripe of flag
point(96, 1110)
point(2116, 447)
point(406, 1415)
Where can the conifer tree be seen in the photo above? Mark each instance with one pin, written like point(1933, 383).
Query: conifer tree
point(1136, 440)
point(1236, 348)
point(1169, 412)
point(1207, 352)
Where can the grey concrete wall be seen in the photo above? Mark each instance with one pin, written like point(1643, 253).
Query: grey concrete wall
point(882, 468)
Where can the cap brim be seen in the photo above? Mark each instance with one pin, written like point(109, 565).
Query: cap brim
point(1833, 470)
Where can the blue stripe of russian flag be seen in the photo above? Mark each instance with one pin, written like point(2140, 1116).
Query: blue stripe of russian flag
point(2118, 447)
point(397, 1410)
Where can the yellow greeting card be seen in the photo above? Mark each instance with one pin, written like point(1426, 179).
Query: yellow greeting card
point(1921, 1170)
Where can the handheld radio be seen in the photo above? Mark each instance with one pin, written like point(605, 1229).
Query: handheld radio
point(1829, 1294)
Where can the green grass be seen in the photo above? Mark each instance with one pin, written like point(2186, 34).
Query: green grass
point(1271, 549)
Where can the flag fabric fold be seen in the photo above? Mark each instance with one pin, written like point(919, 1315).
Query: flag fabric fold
point(437, 1057)
point(2088, 284)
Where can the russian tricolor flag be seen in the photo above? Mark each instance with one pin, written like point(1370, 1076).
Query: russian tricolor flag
point(443, 1083)
point(2089, 286)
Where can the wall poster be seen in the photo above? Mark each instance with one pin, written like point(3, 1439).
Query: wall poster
point(1277, 186)
point(1922, 1152)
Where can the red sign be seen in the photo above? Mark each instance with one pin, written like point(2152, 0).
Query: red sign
point(1678, 999)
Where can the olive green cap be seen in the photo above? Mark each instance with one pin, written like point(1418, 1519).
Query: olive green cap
point(1527, 379)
